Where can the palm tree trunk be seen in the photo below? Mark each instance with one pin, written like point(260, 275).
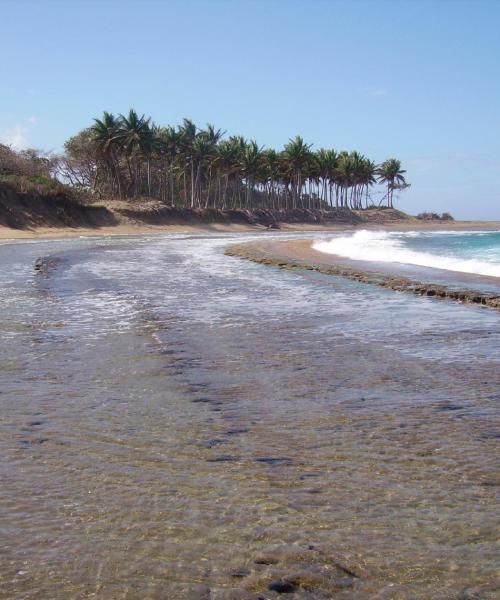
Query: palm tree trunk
point(149, 177)
point(192, 184)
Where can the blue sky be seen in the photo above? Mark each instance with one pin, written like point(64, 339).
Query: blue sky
point(418, 80)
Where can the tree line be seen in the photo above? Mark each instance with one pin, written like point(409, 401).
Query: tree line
point(129, 156)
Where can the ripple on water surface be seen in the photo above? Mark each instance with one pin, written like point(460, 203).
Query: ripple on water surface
point(180, 424)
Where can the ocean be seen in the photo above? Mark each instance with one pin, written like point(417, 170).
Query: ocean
point(177, 423)
point(476, 252)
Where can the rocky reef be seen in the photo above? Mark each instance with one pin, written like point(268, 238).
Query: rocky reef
point(397, 283)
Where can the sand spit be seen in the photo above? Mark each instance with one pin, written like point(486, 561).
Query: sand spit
point(299, 254)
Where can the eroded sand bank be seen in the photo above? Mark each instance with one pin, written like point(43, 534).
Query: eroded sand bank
point(7, 233)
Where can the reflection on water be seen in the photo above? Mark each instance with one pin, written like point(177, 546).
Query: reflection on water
point(176, 423)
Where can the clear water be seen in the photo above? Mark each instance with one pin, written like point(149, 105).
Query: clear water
point(476, 252)
point(479, 245)
point(177, 423)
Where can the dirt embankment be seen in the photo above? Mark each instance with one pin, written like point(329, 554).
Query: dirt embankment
point(31, 212)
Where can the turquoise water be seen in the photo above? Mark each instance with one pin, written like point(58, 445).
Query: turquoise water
point(476, 252)
point(482, 245)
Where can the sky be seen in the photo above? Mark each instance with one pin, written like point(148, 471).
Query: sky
point(413, 79)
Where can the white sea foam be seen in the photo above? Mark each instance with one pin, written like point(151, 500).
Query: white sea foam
point(381, 246)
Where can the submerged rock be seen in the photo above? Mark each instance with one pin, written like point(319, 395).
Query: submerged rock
point(44, 264)
point(270, 460)
point(224, 458)
point(282, 586)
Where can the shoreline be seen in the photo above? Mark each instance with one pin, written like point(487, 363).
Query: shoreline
point(10, 234)
point(299, 254)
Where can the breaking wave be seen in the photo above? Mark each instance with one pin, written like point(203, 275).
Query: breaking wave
point(382, 246)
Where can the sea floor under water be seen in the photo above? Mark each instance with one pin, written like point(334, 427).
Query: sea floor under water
point(180, 424)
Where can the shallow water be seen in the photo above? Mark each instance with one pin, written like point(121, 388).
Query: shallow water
point(176, 423)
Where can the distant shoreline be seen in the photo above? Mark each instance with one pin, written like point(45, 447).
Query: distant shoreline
point(37, 216)
point(299, 254)
point(26, 217)
point(8, 233)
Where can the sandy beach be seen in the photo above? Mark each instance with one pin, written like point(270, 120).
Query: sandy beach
point(7, 233)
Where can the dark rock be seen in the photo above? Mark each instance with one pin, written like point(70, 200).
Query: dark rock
point(274, 461)
point(282, 586)
point(450, 407)
point(214, 442)
point(344, 582)
point(266, 560)
point(224, 458)
point(240, 573)
point(491, 435)
point(236, 431)
point(33, 442)
point(45, 264)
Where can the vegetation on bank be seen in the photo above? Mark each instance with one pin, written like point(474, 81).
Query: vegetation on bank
point(29, 171)
point(432, 216)
point(129, 156)
point(32, 195)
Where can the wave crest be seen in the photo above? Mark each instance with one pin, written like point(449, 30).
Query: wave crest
point(383, 246)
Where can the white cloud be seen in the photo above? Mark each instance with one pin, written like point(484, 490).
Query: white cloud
point(377, 92)
point(16, 136)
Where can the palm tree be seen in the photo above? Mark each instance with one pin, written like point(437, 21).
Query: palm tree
point(343, 176)
point(272, 174)
point(169, 140)
point(297, 153)
point(136, 139)
point(187, 166)
point(226, 163)
point(105, 133)
point(326, 161)
point(251, 162)
point(368, 176)
point(392, 175)
point(204, 155)
point(212, 135)
point(188, 131)
point(201, 153)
